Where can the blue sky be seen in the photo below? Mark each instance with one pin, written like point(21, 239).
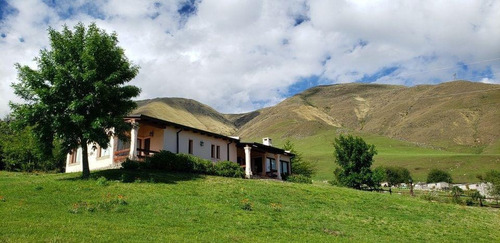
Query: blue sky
point(238, 56)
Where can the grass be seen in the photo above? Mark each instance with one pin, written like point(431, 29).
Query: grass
point(419, 160)
point(191, 208)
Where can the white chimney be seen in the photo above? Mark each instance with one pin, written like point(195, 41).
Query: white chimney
point(267, 141)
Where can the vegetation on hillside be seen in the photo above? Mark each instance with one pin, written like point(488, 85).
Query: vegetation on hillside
point(177, 207)
point(354, 157)
point(436, 175)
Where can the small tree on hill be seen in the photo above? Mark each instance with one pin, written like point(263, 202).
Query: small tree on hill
point(395, 175)
point(436, 175)
point(493, 177)
point(298, 164)
point(355, 158)
point(77, 94)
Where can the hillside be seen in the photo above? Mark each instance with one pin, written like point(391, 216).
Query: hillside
point(193, 208)
point(187, 112)
point(456, 116)
point(452, 126)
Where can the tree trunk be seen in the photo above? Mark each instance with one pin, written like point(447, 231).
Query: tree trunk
point(85, 160)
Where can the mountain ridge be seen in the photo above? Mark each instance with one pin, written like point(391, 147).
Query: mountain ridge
point(450, 115)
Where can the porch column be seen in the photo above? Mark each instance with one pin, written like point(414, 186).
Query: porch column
point(277, 157)
point(264, 157)
point(133, 140)
point(248, 163)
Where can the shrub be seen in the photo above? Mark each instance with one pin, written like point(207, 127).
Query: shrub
point(102, 181)
point(228, 169)
point(131, 165)
point(430, 196)
point(436, 175)
point(127, 178)
point(299, 179)
point(168, 161)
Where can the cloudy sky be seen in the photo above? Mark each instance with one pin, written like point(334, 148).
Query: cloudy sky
point(238, 56)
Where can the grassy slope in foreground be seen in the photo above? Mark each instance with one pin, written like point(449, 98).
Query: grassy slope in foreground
point(190, 208)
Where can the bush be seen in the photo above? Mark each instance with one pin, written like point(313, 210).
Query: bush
point(168, 161)
point(131, 165)
point(228, 169)
point(102, 181)
point(127, 178)
point(436, 175)
point(299, 179)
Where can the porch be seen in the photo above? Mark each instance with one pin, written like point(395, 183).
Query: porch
point(143, 140)
point(263, 161)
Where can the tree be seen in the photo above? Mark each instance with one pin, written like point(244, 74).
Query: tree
point(354, 157)
point(436, 175)
point(298, 164)
point(493, 177)
point(77, 94)
point(395, 175)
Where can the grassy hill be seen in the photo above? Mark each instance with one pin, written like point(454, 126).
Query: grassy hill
point(451, 126)
point(193, 208)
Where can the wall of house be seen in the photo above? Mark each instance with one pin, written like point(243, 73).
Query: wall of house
point(202, 144)
point(95, 162)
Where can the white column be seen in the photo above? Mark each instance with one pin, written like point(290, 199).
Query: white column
point(277, 157)
point(133, 140)
point(248, 169)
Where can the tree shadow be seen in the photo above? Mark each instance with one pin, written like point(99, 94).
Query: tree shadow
point(142, 176)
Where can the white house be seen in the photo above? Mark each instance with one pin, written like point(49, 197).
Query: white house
point(149, 135)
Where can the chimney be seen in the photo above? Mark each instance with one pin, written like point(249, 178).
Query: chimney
point(267, 141)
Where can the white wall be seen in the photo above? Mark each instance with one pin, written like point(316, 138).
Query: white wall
point(95, 163)
point(170, 144)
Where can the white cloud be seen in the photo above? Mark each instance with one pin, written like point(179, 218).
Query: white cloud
point(241, 55)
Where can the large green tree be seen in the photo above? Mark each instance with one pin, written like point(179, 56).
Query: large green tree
point(354, 157)
point(78, 93)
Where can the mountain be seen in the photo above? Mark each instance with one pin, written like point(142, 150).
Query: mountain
point(452, 126)
point(187, 112)
point(452, 116)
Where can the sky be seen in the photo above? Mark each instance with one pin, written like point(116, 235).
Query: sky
point(242, 55)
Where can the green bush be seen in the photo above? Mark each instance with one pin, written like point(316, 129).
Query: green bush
point(436, 175)
point(228, 169)
point(168, 161)
point(127, 178)
point(102, 181)
point(131, 165)
point(299, 179)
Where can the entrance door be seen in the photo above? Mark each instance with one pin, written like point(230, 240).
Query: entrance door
point(147, 145)
point(257, 164)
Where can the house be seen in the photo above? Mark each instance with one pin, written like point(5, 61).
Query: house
point(149, 135)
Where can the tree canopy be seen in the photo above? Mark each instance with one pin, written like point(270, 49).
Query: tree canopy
point(436, 175)
point(298, 164)
point(77, 93)
point(354, 157)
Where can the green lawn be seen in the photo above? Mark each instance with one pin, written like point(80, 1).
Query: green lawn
point(192, 208)
point(418, 160)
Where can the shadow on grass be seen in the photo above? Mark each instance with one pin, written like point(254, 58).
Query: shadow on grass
point(143, 176)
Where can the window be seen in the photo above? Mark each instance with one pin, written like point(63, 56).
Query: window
point(122, 145)
point(284, 167)
point(190, 148)
point(218, 152)
point(212, 154)
point(72, 157)
point(270, 164)
point(104, 151)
